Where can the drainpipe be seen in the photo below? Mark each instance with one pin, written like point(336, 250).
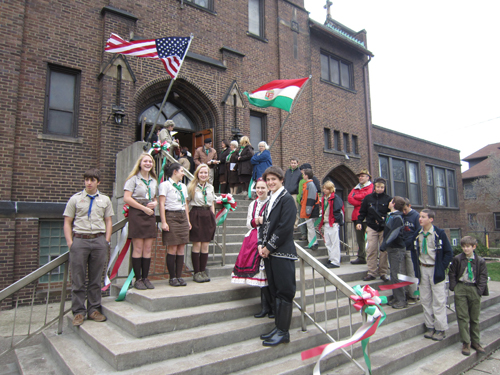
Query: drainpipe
point(368, 115)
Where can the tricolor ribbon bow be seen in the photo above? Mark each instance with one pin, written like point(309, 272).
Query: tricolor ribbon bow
point(368, 300)
point(157, 147)
point(229, 204)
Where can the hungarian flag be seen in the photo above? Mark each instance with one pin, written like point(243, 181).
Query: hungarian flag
point(279, 93)
point(171, 51)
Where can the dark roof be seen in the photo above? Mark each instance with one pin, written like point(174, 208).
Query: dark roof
point(486, 151)
point(481, 169)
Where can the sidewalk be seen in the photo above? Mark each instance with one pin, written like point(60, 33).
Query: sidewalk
point(489, 365)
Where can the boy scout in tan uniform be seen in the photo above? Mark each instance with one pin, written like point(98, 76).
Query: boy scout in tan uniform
point(87, 228)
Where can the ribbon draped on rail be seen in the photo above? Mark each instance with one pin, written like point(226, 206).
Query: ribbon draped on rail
point(156, 148)
point(121, 247)
point(366, 299)
point(229, 204)
point(404, 281)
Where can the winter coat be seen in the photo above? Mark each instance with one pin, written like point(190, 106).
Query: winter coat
point(244, 164)
point(260, 161)
point(335, 216)
point(356, 197)
point(411, 228)
point(444, 254)
point(459, 266)
point(374, 209)
point(309, 205)
point(292, 179)
point(393, 232)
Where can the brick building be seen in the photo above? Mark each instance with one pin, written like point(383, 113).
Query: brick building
point(60, 91)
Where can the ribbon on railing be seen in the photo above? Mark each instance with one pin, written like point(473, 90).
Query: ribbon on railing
point(156, 148)
point(316, 223)
point(229, 204)
point(123, 245)
point(123, 291)
point(404, 281)
point(368, 300)
point(250, 185)
point(126, 209)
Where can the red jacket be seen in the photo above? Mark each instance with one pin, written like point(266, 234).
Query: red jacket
point(356, 196)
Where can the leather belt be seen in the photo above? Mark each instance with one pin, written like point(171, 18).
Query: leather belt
point(467, 284)
point(88, 236)
point(200, 208)
point(426, 265)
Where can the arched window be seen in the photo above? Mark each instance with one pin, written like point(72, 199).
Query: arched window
point(169, 112)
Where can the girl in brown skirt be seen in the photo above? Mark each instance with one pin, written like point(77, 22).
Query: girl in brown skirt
point(201, 199)
point(175, 223)
point(140, 194)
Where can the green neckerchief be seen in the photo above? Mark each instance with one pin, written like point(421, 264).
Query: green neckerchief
point(229, 156)
point(424, 242)
point(204, 192)
point(179, 188)
point(207, 150)
point(469, 268)
point(241, 149)
point(147, 184)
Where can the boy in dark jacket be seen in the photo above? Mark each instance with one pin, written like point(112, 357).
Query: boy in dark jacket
point(395, 246)
point(374, 208)
point(410, 230)
point(469, 280)
point(332, 218)
point(435, 255)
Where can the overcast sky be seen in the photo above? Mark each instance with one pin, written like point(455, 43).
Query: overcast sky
point(436, 70)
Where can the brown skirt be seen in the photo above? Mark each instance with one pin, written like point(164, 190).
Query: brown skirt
point(202, 224)
point(178, 233)
point(140, 224)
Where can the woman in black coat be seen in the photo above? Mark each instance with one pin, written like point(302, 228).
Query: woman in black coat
point(276, 246)
point(245, 167)
point(232, 167)
point(223, 188)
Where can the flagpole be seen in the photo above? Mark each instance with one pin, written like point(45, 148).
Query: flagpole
point(146, 147)
point(290, 112)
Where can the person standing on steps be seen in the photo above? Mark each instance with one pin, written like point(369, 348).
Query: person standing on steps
point(277, 247)
point(140, 192)
point(293, 175)
point(309, 207)
point(332, 219)
point(206, 154)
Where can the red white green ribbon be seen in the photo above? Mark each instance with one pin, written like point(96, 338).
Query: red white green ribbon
point(126, 209)
point(368, 300)
point(156, 148)
point(229, 204)
point(123, 291)
point(123, 245)
point(404, 281)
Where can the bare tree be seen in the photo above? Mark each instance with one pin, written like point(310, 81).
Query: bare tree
point(488, 188)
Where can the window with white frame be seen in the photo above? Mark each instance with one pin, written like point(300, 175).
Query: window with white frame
point(403, 178)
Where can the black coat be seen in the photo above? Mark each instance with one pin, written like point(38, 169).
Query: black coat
point(458, 267)
point(374, 208)
point(244, 164)
point(444, 254)
point(222, 158)
point(393, 232)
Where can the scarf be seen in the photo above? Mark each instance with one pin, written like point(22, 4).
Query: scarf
point(229, 156)
point(204, 192)
point(147, 184)
point(179, 189)
point(325, 205)
point(469, 269)
point(424, 243)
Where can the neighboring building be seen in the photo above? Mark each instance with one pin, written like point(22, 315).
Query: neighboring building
point(483, 210)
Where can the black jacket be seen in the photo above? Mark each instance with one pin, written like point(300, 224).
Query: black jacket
point(458, 267)
point(292, 179)
point(393, 232)
point(444, 254)
point(245, 166)
point(411, 228)
point(374, 209)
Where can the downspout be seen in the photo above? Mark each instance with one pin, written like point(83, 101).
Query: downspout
point(368, 115)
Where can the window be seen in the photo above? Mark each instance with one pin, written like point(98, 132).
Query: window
point(354, 145)
point(469, 192)
point(336, 140)
point(328, 141)
point(61, 103)
point(345, 142)
point(472, 220)
point(256, 17)
point(403, 178)
point(496, 219)
point(336, 71)
point(257, 128)
point(52, 244)
point(441, 187)
point(207, 4)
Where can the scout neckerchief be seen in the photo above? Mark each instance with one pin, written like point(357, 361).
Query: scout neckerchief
point(179, 189)
point(229, 156)
point(204, 192)
point(241, 149)
point(92, 197)
point(424, 242)
point(207, 150)
point(147, 184)
point(469, 268)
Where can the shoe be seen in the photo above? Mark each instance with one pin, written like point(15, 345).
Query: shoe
point(429, 333)
point(280, 337)
point(174, 282)
point(181, 281)
point(391, 301)
point(466, 349)
point(139, 284)
point(478, 348)
point(283, 321)
point(205, 276)
point(358, 261)
point(439, 336)
point(267, 336)
point(303, 237)
point(384, 278)
point(369, 278)
point(265, 303)
point(96, 316)
point(331, 265)
point(399, 305)
point(314, 247)
point(412, 301)
point(198, 277)
point(148, 284)
point(78, 320)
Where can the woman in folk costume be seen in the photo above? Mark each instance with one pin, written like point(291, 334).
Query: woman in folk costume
point(140, 192)
point(333, 217)
point(175, 225)
point(201, 197)
point(277, 247)
point(249, 267)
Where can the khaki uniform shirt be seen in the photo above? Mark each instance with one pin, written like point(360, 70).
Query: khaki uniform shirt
point(430, 257)
point(78, 208)
point(465, 276)
point(139, 189)
point(199, 200)
point(173, 200)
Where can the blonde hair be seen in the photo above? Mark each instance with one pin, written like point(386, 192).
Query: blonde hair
point(195, 181)
point(244, 141)
point(330, 186)
point(137, 166)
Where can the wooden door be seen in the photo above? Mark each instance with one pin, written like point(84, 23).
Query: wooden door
point(199, 138)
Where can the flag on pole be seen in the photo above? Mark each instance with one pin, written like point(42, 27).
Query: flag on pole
point(171, 51)
point(279, 93)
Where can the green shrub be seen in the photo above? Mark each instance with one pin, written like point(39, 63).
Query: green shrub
point(481, 250)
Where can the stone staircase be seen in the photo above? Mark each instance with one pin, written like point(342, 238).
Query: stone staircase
point(209, 328)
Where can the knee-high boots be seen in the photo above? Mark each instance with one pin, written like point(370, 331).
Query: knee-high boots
point(266, 303)
point(281, 334)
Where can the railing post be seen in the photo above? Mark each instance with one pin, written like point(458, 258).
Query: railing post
point(63, 298)
point(303, 294)
point(365, 319)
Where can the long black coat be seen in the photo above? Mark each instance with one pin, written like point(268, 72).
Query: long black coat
point(245, 166)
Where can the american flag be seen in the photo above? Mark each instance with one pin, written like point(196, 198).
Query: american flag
point(171, 51)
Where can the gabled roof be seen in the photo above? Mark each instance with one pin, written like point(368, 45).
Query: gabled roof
point(486, 151)
point(481, 169)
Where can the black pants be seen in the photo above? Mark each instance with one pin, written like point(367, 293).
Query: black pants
point(281, 278)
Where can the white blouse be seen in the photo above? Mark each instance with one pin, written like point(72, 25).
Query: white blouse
point(173, 201)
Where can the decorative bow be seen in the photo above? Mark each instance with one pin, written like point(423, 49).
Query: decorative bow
point(229, 204)
point(156, 148)
point(126, 209)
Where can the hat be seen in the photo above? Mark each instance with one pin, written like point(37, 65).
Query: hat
point(364, 171)
point(169, 123)
point(208, 140)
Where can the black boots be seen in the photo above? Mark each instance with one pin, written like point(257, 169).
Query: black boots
point(266, 303)
point(280, 334)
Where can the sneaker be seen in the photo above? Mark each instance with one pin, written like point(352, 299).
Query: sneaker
point(439, 336)
point(181, 281)
point(477, 348)
point(96, 316)
point(314, 247)
point(148, 284)
point(391, 301)
point(384, 278)
point(139, 284)
point(466, 349)
point(205, 276)
point(429, 333)
point(198, 277)
point(399, 305)
point(358, 261)
point(369, 278)
point(412, 301)
point(331, 265)
point(174, 282)
point(78, 320)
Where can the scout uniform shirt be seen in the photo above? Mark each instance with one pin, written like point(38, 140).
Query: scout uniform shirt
point(140, 190)
point(203, 199)
point(428, 258)
point(78, 209)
